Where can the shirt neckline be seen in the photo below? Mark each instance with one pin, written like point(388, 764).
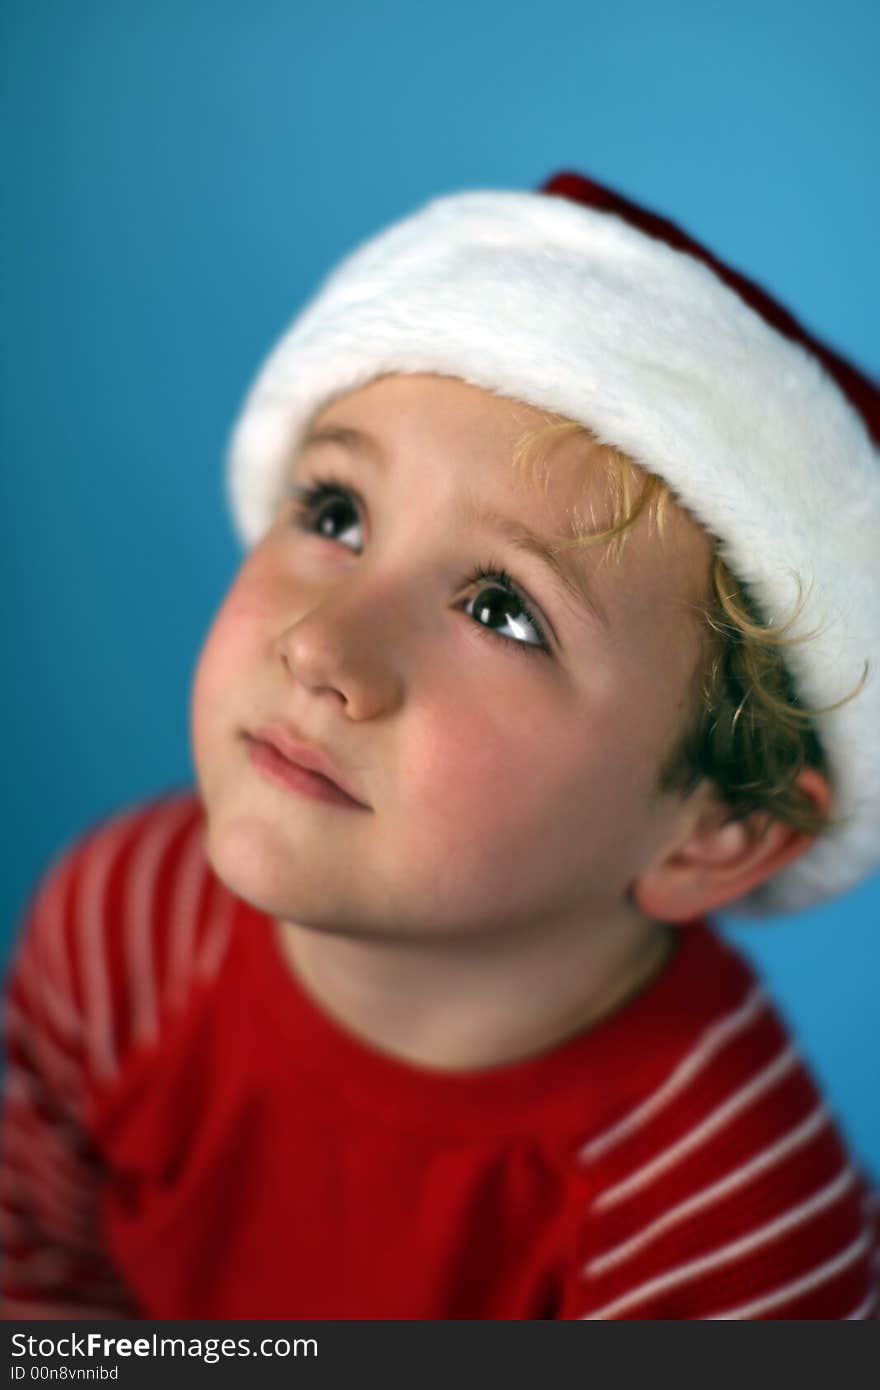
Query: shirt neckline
point(591, 1072)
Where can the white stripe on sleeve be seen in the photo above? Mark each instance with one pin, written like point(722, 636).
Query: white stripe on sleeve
point(139, 916)
point(710, 1043)
point(682, 1274)
point(822, 1274)
point(864, 1311)
point(775, 1153)
point(61, 1074)
point(91, 912)
point(763, 1081)
point(44, 971)
point(185, 897)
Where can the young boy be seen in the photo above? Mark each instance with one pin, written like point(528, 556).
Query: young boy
point(551, 639)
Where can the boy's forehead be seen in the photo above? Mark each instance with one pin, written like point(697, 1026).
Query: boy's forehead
point(558, 489)
point(409, 393)
point(472, 440)
point(463, 423)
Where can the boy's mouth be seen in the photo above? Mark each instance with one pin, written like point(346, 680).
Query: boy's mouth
point(300, 765)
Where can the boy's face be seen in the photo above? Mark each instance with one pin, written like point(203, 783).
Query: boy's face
point(506, 784)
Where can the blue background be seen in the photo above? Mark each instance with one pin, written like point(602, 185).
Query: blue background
point(177, 177)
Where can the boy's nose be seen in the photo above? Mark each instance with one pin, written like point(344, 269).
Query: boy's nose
point(348, 648)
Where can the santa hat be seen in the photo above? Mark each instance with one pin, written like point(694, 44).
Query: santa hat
point(587, 306)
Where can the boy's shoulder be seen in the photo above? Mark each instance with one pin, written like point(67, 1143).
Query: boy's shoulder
point(717, 1059)
point(121, 923)
point(725, 1185)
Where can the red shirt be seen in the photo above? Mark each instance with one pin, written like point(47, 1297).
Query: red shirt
point(188, 1135)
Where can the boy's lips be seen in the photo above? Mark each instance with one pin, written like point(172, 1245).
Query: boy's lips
point(301, 754)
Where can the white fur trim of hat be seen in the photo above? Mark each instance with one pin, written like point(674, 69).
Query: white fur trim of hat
point(575, 310)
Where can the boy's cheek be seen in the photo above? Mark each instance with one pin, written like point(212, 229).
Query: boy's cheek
point(234, 632)
point(219, 690)
point(514, 784)
point(214, 659)
point(478, 770)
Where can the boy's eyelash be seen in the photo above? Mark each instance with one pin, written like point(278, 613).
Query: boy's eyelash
point(308, 497)
point(497, 575)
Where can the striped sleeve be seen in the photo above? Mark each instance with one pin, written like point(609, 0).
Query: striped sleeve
point(50, 1175)
point(727, 1194)
point(112, 938)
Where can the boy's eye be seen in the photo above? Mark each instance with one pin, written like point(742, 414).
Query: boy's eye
point(332, 510)
point(328, 510)
point(498, 607)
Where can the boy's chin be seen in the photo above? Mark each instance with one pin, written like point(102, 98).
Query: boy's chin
point(249, 864)
point(263, 871)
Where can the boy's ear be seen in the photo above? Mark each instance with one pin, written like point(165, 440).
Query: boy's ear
point(716, 860)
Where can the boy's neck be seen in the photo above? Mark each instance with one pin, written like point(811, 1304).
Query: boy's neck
point(473, 1004)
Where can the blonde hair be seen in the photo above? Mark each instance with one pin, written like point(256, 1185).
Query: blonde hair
point(748, 733)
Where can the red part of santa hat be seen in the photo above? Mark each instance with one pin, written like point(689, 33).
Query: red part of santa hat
point(858, 388)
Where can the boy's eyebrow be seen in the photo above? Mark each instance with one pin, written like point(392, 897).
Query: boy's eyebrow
point(570, 576)
point(349, 438)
